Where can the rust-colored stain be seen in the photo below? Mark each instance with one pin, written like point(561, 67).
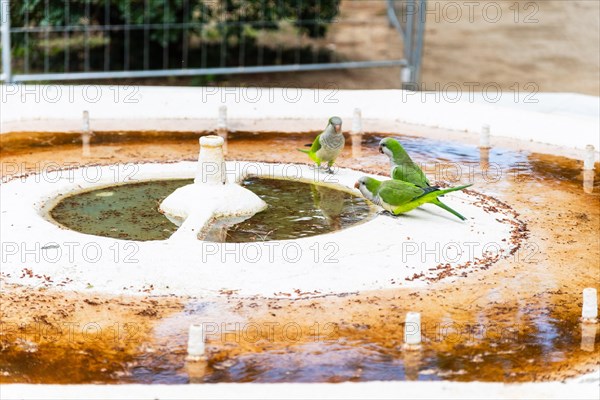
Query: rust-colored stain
point(515, 321)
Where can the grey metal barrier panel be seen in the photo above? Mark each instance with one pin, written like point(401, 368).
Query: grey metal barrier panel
point(110, 39)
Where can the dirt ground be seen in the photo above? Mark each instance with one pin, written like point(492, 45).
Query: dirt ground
point(553, 44)
point(529, 46)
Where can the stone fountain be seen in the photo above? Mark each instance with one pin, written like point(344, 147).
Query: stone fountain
point(194, 206)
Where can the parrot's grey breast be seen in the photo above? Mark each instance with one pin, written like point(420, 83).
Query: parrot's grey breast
point(374, 198)
point(377, 200)
point(332, 145)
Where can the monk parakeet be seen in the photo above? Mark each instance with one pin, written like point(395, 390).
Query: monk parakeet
point(399, 197)
point(328, 145)
point(405, 169)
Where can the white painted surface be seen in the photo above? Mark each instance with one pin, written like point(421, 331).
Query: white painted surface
point(568, 120)
point(347, 390)
point(342, 261)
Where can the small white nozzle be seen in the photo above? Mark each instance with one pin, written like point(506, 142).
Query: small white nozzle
point(85, 135)
point(412, 329)
point(222, 121)
point(211, 141)
point(589, 311)
point(589, 157)
point(86, 121)
point(406, 75)
point(357, 122)
point(588, 181)
point(196, 343)
point(211, 162)
point(484, 137)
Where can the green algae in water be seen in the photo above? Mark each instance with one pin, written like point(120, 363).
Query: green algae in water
point(131, 212)
point(295, 210)
point(123, 212)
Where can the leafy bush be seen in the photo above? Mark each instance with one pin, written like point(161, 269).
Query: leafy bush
point(209, 25)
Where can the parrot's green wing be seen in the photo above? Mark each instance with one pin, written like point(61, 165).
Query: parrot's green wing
point(316, 145)
point(396, 193)
point(410, 172)
point(312, 153)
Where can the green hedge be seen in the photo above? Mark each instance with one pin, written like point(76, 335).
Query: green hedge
point(215, 23)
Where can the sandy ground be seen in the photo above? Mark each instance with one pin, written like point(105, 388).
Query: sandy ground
point(553, 44)
point(520, 47)
point(519, 296)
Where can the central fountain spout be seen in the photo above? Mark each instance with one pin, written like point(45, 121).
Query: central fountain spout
point(193, 207)
point(211, 163)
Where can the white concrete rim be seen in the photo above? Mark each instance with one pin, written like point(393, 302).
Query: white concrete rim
point(571, 389)
point(337, 262)
point(540, 126)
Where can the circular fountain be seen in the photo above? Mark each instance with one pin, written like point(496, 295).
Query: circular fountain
point(122, 245)
point(273, 229)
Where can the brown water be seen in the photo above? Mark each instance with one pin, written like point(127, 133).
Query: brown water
point(31, 151)
point(516, 321)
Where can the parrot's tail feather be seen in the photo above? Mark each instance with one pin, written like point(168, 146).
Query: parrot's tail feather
point(454, 189)
point(445, 207)
point(303, 151)
point(308, 145)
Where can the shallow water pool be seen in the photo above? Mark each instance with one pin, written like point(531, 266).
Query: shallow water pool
point(131, 212)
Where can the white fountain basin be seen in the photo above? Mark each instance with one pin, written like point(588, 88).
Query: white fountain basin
point(383, 252)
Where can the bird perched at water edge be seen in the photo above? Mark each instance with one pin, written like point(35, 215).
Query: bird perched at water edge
point(328, 145)
point(403, 168)
point(399, 197)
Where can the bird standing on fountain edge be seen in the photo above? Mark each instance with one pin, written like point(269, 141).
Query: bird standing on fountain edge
point(399, 197)
point(328, 145)
point(403, 168)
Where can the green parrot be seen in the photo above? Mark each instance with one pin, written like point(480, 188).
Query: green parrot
point(328, 145)
point(398, 196)
point(405, 169)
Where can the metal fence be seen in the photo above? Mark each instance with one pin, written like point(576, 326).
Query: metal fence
point(82, 48)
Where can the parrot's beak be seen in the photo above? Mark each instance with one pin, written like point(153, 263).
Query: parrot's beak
point(338, 128)
point(381, 149)
point(356, 185)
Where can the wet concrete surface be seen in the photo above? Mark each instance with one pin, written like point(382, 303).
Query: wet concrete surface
point(518, 320)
